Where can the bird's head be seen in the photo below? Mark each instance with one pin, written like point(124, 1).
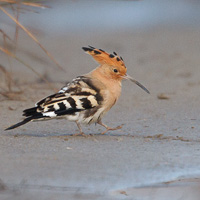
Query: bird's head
point(112, 65)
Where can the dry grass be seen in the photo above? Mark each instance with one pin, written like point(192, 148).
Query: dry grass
point(12, 9)
point(28, 66)
point(7, 91)
point(26, 3)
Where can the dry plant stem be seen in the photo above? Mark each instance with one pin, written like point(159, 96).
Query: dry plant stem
point(17, 27)
point(32, 36)
point(8, 93)
point(5, 35)
point(21, 61)
point(4, 90)
point(38, 5)
point(12, 95)
point(8, 77)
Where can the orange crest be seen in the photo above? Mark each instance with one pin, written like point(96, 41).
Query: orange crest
point(103, 57)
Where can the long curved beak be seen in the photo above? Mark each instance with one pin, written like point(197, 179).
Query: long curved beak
point(136, 82)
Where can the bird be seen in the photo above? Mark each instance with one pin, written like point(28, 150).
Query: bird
point(87, 98)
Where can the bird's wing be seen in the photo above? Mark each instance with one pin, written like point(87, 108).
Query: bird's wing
point(80, 94)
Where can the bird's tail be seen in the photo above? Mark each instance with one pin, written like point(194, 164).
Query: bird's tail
point(31, 114)
point(28, 119)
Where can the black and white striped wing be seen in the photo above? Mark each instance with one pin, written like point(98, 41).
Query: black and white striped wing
point(77, 96)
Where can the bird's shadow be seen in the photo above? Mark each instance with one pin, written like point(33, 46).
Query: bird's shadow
point(110, 134)
point(95, 136)
point(62, 135)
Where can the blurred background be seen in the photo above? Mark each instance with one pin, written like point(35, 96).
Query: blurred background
point(129, 27)
point(159, 143)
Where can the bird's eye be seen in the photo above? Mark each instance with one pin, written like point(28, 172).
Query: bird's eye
point(115, 70)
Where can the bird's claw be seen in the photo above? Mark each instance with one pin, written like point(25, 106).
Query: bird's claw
point(112, 129)
point(80, 134)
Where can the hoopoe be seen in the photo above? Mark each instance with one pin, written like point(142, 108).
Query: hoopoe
point(87, 98)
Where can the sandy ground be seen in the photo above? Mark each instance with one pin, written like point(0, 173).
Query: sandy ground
point(157, 147)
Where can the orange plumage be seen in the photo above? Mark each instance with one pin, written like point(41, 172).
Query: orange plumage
point(103, 57)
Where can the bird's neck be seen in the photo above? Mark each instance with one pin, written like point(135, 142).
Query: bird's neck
point(111, 87)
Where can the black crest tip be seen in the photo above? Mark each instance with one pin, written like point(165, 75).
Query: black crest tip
point(87, 49)
point(91, 47)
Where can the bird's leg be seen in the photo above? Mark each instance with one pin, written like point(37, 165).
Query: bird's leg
point(108, 128)
point(80, 129)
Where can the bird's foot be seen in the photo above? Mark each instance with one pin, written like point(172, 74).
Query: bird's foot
point(111, 129)
point(80, 134)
